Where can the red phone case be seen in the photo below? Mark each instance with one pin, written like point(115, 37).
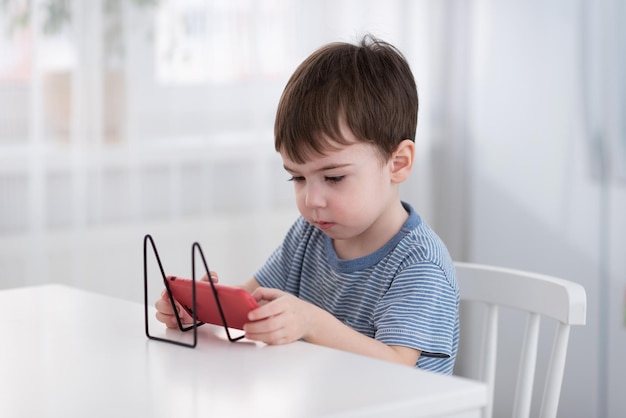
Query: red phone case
point(235, 302)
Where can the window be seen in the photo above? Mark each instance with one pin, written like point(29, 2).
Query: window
point(219, 41)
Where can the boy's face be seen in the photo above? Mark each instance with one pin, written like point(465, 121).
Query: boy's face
point(347, 192)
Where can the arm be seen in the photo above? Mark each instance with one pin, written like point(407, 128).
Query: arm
point(285, 318)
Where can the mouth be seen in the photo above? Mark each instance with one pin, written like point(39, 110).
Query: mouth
point(324, 225)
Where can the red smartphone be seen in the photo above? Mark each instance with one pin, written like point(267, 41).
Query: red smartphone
point(235, 302)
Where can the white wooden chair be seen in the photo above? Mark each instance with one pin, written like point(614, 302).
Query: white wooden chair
point(538, 295)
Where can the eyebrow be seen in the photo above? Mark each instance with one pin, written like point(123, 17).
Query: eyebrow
point(324, 168)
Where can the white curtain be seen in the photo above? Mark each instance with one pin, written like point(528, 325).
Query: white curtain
point(122, 118)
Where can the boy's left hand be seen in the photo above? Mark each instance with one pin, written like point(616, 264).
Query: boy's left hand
point(281, 319)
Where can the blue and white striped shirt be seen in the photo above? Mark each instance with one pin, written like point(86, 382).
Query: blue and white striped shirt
point(403, 294)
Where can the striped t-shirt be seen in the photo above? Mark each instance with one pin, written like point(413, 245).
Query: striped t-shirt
point(403, 294)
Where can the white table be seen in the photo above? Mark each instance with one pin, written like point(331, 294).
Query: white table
point(65, 352)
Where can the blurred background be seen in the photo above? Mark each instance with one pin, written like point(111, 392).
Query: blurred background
point(123, 118)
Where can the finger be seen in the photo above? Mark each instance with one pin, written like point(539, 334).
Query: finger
point(166, 314)
point(165, 307)
point(264, 326)
point(166, 297)
point(214, 277)
point(166, 302)
point(270, 310)
point(168, 320)
point(266, 294)
point(273, 337)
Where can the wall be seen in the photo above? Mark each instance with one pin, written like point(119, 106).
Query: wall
point(542, 197)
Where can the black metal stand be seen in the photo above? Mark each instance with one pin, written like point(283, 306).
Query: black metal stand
point(196, 323)
point(194, 247)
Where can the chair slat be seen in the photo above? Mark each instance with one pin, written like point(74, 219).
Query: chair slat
point(556, 368)
point(487, 368)
point(527, 366)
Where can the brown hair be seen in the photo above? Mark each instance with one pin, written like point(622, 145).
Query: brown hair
point(368, 86)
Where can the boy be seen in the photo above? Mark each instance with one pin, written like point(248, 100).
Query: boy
point(359, 271)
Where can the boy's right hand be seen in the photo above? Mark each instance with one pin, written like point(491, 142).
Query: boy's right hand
point(165, 313)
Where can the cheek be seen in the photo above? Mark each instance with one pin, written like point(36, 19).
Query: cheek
point(300, 197)
point(351, 204)
point(361, 201)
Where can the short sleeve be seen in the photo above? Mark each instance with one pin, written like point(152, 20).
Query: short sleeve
point(419, 310)
point(280, 271)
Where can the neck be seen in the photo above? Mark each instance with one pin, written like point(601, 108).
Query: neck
point(377, 235)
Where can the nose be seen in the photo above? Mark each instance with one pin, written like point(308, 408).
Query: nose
point(314, 195)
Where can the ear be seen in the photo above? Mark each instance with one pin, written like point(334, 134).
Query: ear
point(401, 162)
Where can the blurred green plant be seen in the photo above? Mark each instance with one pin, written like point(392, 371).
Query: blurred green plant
point(58, 13)
point(56, 16)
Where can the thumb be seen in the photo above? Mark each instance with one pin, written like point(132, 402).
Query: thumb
point(266, 294)
point(214, 277)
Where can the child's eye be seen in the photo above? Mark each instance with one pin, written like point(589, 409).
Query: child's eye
point(297, 179)
point(334, 179)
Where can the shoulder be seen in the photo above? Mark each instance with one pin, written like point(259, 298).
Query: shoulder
point(302, 236)
point(301, 229)
point(422, 249)
point(284, 267)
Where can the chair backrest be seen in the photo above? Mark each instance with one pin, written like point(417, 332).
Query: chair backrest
point(538, 295)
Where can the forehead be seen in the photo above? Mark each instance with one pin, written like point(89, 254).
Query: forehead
point(337, 155)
